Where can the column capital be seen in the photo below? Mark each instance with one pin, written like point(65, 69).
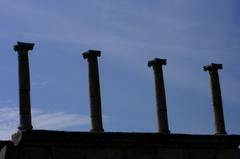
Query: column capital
point(157, 61)
point(23, 46)
point(91, 53)
point(212, 66)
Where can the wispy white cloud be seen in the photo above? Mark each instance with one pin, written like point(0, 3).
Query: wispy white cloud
point(58, 120)
point(41, 120)
point(40, 84)
point(8, 121)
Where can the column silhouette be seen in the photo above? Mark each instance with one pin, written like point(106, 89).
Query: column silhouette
point(160, 94)
point(216, 97)
point(94, 89)
point(24, 85)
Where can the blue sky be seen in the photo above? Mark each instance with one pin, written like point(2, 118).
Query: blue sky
point(188, 33)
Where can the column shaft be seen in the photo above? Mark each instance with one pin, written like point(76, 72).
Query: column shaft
point(94, 90)
point(24, 86)
point(160, 95)
point(160, 100)
point(24, 93)
point(217, 103)
point(216, 98)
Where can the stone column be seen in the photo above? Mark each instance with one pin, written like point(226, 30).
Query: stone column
point(160, 94)
point(24, 85)
point(216, 97)
point(94, 89)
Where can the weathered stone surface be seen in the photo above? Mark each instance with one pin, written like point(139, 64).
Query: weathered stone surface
point(94, 90)
point(216, 97)
point(107, 145)
point(228, 153)
point(200, 153)
point(138, 152)
point(5, 143)
point(160, 94)
point(9, 151)
point(41, 152)
point(171, 153)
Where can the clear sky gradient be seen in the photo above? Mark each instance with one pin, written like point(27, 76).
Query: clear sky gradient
point(188, 33)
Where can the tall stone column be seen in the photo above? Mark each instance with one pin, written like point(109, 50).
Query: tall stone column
point(24, 85)
point(160, 94)
point(216, 97)
point(94, 89)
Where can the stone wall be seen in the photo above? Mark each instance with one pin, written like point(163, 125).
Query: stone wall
point(39, 144)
